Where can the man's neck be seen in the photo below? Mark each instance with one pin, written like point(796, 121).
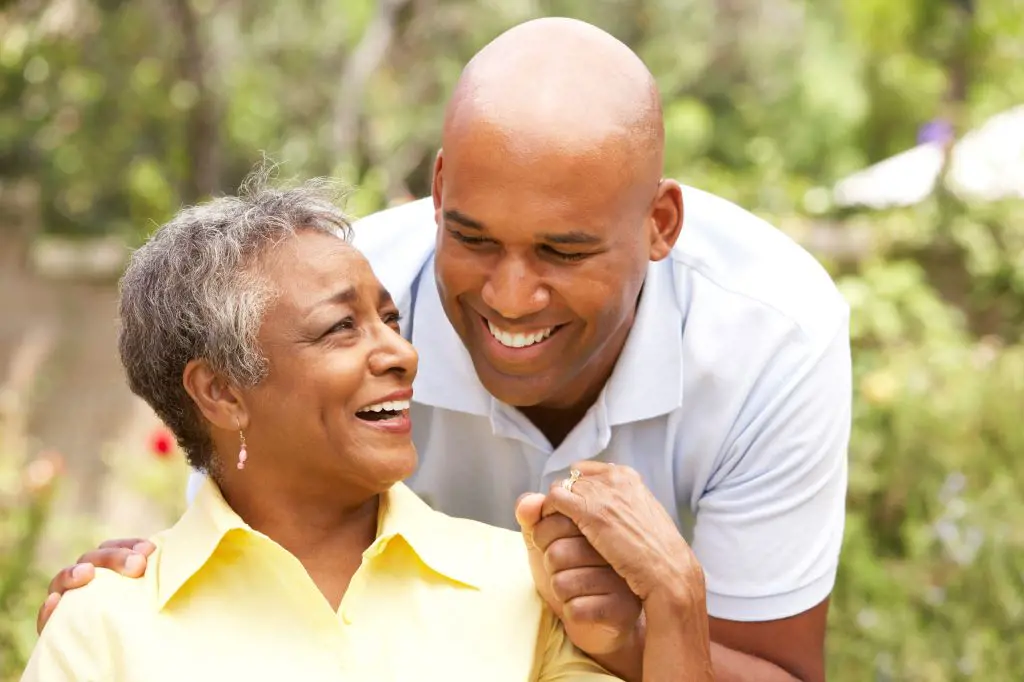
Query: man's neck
point(556, 423)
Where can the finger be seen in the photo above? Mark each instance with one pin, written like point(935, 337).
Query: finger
point(72, 578)
point(572, 505)
point(581, 582)
point(574, 552)
point(528, 508)
point(121, 543)
point(594, 468)
point(124, 561)
point(552, 528)
point(616, 612)
point(144, 547)
point(45, 611)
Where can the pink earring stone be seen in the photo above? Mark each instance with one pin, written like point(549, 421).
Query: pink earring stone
point(242, 456)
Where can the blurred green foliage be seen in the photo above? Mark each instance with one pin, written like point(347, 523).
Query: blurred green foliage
point(120, 112)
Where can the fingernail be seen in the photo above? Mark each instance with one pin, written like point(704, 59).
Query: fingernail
point(135, 563)
point(78, 571)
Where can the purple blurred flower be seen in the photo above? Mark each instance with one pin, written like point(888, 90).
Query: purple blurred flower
point(938, 131)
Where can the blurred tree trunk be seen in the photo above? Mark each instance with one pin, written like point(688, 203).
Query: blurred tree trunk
point(360, 66)
point(203, 138)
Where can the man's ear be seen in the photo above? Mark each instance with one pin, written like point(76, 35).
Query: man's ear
point(436, 179)
point(218, 400)
point(666, 219)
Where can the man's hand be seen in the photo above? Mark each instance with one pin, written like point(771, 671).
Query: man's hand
point(630, 529)
point(600, 613)
point(127, 557)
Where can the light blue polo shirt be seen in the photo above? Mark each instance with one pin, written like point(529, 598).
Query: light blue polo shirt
point(731, 398)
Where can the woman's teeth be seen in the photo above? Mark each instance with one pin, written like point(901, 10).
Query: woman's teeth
point(384, 410)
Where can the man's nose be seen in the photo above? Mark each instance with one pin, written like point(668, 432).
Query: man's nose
point(514, 291)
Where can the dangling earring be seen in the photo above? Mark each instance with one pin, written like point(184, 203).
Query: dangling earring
point(242, 454)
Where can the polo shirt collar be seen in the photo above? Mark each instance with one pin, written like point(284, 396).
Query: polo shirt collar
point(647, 381)
point(187, 547)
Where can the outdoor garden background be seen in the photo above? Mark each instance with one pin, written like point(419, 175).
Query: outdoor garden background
point(113, 114)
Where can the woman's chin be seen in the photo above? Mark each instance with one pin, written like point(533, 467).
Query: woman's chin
point(394, 466)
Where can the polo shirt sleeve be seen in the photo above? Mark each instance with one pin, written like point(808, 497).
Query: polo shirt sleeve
point(559, 660)
point(769, 524)
point(74, 646)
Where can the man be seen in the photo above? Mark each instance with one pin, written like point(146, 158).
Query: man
point(580, 321)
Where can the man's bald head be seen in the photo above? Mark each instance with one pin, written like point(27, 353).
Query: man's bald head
point(550, 206)
point(562, 84)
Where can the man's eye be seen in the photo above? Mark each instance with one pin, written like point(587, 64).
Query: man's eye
point(566, 256)
point(466, 239)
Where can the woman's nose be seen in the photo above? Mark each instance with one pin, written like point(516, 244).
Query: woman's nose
point(394, 354)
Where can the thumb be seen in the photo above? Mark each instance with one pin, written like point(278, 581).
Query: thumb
point(528, 509)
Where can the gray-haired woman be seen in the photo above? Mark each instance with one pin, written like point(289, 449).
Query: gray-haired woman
point(268, 346)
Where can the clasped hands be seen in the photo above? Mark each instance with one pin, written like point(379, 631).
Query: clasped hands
point(601, 551)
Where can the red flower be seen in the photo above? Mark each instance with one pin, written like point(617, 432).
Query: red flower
point(161, 443)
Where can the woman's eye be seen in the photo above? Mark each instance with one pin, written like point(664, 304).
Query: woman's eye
point(392, 318)
point(348, 324)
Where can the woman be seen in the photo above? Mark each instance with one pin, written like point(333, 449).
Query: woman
point(268, 346)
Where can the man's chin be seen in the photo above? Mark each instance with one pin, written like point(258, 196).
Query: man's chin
point(522, 390)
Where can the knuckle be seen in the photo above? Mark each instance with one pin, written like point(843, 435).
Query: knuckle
point(624, 474)
point(592, 610)
point(558, 555)
point(564, 585)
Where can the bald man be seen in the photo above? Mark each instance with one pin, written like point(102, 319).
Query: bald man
point(590, 313)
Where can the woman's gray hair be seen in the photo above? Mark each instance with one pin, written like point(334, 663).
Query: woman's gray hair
point(194, 291)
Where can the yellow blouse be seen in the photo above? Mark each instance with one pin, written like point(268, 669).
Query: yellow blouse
point(435, 598)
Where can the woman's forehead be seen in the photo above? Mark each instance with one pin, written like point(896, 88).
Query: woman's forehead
point(312, 266)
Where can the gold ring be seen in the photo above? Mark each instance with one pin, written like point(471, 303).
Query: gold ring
point(574, 476)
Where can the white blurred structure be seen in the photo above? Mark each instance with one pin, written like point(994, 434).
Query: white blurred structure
point(987, 164)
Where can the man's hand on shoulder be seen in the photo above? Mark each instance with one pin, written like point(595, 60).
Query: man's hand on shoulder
point(127, 557)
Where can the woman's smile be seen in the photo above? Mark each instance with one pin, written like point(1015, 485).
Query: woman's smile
point(390, 413)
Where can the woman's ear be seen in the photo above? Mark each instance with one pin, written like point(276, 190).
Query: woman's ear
point(218, 400)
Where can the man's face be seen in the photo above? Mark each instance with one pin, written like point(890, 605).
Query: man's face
point(539, 264)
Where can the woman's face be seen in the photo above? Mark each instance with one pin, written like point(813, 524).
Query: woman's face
point(334, 406)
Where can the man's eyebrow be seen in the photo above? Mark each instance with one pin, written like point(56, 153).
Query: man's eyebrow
point(574, 237)
point(463, 220)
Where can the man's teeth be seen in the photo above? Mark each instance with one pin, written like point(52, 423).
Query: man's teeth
point(388, 406)
point(519, 340)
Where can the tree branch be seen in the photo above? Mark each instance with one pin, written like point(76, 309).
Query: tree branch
point(365, 59)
